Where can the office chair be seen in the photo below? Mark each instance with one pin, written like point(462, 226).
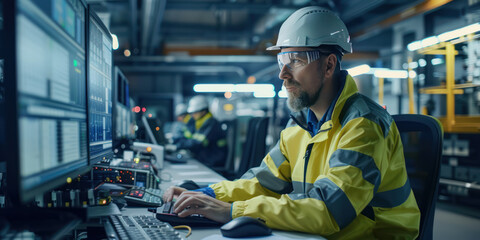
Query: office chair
point(259, 145)
point(247, 147)
point(422, 138)
point(231, 135)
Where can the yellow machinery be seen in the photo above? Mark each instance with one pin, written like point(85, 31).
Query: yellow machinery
point(451, 123)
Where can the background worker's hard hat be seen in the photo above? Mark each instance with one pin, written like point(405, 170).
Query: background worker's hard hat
point(180, 109)
point(311, 27)
point(197, 103)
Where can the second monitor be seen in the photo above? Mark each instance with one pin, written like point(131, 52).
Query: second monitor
point(99, 90)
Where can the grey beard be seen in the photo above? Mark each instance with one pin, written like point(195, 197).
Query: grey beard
point(296, 104)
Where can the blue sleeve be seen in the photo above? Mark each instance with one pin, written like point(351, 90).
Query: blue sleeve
point(207, 191)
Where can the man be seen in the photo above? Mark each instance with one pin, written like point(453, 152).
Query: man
point(341, 174)
point(184, 124)
point(208, 140)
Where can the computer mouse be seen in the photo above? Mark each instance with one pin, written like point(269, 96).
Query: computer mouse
point(189, 185)
point(245, 227)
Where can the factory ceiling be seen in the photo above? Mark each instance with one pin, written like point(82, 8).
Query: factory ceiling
point(192, 37)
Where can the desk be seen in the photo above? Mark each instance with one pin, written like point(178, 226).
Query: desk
point(174, 173)
point(194, 170)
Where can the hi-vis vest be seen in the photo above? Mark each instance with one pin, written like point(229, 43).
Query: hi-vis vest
point(208, 142)
point(349, 181)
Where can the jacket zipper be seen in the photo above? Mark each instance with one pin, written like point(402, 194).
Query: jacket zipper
point(306, 158)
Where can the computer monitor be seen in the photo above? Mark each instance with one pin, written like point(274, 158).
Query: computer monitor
point(122, 113)
point(154, 130)
point(148, 131)
point(45, 108)
point(99, 87)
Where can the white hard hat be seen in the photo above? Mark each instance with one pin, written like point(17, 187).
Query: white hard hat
point(197, 103)
point(180, 109)
point(311, 27)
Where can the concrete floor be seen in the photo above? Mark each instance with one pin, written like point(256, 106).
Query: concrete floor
point(454, 221)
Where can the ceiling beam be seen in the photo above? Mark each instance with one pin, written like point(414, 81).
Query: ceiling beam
point(199, 70)
point(353, 9)
point(155, 35)
point(197, 59)
point(133, 24)
point(251, 7)
point(355, 56)
point(209, 51)
point(421, 8)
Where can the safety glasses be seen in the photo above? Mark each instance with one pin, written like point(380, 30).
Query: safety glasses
point(298, 59)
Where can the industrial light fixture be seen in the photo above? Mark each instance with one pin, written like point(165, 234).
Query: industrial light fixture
point(444, 37)
point(391, 74)
point(437, 61)
point(387, 73)
point(459, 32)
point(258, 90)
point(358, 70)
point(213, 87)
point(115, 42)
point(282, 93)
point(264, 94)
point(254, 88)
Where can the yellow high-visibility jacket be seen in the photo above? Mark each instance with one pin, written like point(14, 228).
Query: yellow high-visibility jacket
point(349, 181)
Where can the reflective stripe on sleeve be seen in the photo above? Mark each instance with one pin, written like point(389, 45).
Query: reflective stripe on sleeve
point(392, 198)
point(199, 137)
point(277, 155)
point(268, 180)
point(365, 163)
point(187, 134)
point(336, 201)
point(334, 198)
point(221, 142)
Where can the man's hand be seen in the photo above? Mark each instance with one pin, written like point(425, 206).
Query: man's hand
point(190, 202)
point(172, 192)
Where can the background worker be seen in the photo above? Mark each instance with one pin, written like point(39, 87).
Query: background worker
point(341, 173)
point(184, 124)
point(208, 141)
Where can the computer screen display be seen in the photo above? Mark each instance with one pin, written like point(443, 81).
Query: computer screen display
point(99, 90)
point(46, 112)
point(122, 112)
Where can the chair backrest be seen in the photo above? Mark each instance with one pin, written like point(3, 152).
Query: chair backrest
point(259, 146)
point(231, 143)
point(422, 138)
point(228, 169)
point(247, 147)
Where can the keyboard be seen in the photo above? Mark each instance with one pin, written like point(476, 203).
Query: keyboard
point(145, 197)
point(139, 228)
point(195, 220)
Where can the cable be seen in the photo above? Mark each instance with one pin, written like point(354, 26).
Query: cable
point(186, 227)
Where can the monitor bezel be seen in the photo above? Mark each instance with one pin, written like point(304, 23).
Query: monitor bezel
point(15, 195)
point(92, 14)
